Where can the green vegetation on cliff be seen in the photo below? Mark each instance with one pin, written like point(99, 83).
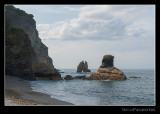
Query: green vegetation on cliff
point(7, 22)
point(19, 11)
point(15, 36)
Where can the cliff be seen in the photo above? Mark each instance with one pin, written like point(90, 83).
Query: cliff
point(25, 55)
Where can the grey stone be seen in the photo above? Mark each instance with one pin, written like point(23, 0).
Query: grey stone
point(83, 67)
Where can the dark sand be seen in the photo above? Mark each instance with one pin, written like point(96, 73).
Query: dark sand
point(18, 92)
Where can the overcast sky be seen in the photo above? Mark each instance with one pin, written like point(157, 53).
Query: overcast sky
point(74, 33)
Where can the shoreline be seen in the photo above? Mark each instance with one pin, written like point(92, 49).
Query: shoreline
point(18, 92)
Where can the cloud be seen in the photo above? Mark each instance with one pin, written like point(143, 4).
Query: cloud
point(41, 9)
point(102, 22)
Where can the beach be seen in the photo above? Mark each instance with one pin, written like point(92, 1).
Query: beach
point(19, 93)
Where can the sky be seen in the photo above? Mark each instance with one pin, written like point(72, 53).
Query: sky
point(75, 33)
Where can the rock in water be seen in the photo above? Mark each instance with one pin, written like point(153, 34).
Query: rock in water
point(68, 77)
point(80, 67)
point(107, 71)
point(134, 77)
point(80, 77)
point(25, 54)
point(83, 67)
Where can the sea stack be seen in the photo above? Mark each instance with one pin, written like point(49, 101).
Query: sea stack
point(107, 71)
point(25, 55)
point(83, 67)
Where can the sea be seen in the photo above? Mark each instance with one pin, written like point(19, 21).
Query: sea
point(129, 92)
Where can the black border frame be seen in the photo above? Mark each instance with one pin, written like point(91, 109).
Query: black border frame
point(83, 109)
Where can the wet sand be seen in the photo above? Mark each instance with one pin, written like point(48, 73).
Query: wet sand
point(18, 92)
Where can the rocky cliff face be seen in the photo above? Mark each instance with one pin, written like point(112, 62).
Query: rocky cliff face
point(25, 53)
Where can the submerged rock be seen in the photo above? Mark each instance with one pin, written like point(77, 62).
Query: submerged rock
point(80, 77)
point(68, 77)
point(107, 71)
point(83, 67)
point(134, 77)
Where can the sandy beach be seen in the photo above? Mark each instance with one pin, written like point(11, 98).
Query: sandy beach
point(19, 93)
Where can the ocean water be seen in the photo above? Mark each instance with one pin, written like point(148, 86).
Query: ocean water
point(130, 92)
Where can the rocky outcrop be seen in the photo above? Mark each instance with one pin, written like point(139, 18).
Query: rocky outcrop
point(25, 54)
point(111, 73)
point(107, 71)
point(83, 67)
